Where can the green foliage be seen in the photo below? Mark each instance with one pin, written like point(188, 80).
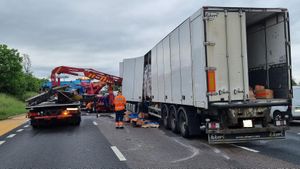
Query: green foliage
point(10, 106)
point(33, 84)
point(13, 80)
point(28, 95)
point(11, 73)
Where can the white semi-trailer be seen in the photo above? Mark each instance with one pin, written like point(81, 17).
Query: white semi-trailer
point(197, 78)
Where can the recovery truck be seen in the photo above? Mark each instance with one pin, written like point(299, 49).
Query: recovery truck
point(100, 104)
point(54, 105)
point(197, 78)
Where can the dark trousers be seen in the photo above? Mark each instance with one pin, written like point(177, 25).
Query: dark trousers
point(119, 115)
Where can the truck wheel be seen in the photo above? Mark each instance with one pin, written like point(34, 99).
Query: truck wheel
point(183, 123)
point(76, 121)
point(34, 124)
point(173, 120)
point(165, 117)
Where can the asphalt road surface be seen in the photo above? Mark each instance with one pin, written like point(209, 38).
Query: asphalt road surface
point(97, 144)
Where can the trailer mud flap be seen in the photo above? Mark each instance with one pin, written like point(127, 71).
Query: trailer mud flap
point(245, 137)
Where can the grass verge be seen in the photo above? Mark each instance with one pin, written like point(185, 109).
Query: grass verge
point(10, 106)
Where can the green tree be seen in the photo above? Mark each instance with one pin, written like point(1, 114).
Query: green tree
point(12, 80)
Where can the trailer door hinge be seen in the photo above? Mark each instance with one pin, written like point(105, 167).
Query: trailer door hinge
point(210, 16)
point(207, 18)
point(208, 43)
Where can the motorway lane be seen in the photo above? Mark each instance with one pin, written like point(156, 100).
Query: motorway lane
point(89, 146)
point(83, 146)
point(160, 148)
point(287, 149)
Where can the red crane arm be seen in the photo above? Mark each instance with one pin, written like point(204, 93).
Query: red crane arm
point(90, 73)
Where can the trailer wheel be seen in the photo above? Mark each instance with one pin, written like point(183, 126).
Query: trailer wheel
point(173, 119)
point(183, 123)
point(165, 117)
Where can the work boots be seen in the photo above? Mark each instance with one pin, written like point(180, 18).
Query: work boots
point(119, 125)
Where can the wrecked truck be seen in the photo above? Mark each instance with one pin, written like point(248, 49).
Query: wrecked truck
point(197, 79)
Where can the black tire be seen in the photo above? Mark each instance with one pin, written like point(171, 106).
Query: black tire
point(165, 117)
point(183, 124)
point(76, 121)
point(34, 124)
point(173, 119)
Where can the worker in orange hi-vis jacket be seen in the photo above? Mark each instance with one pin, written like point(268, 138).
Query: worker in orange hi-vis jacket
point(119, 102)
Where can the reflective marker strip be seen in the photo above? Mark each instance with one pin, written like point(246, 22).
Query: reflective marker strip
point(11, 136)
point(211, 78)
point(245, 148)
point(20, 130)
point(118, 153)
point(2, 142)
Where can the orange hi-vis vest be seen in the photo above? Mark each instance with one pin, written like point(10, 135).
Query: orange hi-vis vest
point(120, 103)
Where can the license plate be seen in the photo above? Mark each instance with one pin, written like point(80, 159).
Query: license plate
point(281, 123)
point(247, 123)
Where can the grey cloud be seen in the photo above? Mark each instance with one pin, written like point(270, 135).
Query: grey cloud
point(99, 34)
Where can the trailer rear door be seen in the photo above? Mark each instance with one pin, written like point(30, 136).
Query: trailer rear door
point(226, 55)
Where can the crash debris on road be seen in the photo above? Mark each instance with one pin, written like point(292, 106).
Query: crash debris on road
point(140, 119)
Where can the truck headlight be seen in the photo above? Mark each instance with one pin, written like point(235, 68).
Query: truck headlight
point(72, 109)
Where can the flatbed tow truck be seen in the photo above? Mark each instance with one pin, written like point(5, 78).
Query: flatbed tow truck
point(54, 105)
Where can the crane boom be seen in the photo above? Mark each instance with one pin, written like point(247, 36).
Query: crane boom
point(104, 78)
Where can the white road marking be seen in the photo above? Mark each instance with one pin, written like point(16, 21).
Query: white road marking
point(223, 155)
point(26, 126)
point(118, 153)
point(2, 142)
point(226, 156)
point(194, 151)
point(20, 130)
point(298, 133)
point(95, 123)
point(216, 150)
point(11, 136)
point(246, 148)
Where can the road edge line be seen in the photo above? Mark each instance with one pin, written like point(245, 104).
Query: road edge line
point(2, 142)
point(11, 135)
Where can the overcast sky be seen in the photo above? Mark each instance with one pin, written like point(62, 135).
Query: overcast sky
point(100, 33)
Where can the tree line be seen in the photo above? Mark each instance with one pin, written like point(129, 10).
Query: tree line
point(15, 76)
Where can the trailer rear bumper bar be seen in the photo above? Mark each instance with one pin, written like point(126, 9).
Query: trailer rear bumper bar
point(254, 103)
point(52, 117)
point(53, 105)
point(245, 135)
